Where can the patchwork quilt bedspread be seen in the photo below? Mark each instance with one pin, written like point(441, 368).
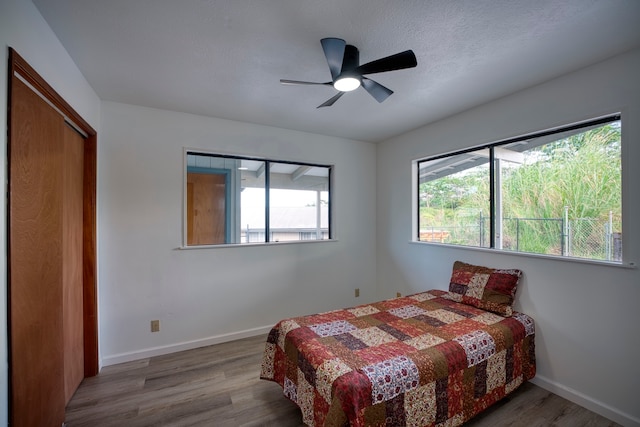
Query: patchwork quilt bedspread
point(419, 360)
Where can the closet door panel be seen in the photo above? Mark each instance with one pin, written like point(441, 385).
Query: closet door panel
point(35, 266)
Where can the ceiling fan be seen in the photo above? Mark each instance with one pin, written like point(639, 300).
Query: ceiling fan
point(347, 74)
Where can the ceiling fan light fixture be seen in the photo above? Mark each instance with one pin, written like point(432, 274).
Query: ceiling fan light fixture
point(346, 84)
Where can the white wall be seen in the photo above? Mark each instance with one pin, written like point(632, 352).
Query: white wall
point(23, 28)
point(203, 296)
point(588, 318)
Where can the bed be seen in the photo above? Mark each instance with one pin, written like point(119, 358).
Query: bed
point(435, 358)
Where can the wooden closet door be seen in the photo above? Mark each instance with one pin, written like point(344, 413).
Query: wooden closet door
point(35, 261)
point(51, 256)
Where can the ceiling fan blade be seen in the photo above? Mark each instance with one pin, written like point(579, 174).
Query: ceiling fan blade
point(330, 102)
point(298, 82)
point(375, 89)
point(334, 52)
point(399, 61)
point(351, 59)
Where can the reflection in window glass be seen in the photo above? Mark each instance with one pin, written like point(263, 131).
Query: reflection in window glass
point(556, 193)
point(236, 200)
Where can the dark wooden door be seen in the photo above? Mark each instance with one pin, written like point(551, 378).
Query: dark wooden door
point(47, 259)
point(206, 208)
point(35, 266)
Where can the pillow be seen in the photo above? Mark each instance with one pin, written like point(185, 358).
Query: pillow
point(490, 289)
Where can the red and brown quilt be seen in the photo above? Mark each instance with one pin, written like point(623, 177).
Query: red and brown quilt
point(420, 360)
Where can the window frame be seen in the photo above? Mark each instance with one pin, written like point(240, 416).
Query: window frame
point(493, 181)
point(267, 231)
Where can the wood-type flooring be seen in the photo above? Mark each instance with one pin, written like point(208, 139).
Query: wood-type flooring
point(219, 386)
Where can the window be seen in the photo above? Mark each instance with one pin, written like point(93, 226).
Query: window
point(237, 200)
point(556, 192)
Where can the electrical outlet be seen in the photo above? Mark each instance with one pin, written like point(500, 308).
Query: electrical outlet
point(398, 294)
point(155, 326)
point(357, 292)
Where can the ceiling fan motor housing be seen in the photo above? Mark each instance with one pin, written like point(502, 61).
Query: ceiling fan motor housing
point(348, 79)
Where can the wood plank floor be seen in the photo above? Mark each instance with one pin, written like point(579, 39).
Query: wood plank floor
point(219, 386)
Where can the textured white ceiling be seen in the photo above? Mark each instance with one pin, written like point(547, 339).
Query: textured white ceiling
point(224, 58)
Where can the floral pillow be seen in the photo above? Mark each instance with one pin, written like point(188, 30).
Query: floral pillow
point(490, 289)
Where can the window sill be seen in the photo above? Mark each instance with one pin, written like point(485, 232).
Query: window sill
point(630, 265)
point(258, 244)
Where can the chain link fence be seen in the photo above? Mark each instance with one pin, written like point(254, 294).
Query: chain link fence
point(593, 238)
point(580, 237)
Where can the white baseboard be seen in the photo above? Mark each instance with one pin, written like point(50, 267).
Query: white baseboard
point(585, 401)
point(187, 345)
